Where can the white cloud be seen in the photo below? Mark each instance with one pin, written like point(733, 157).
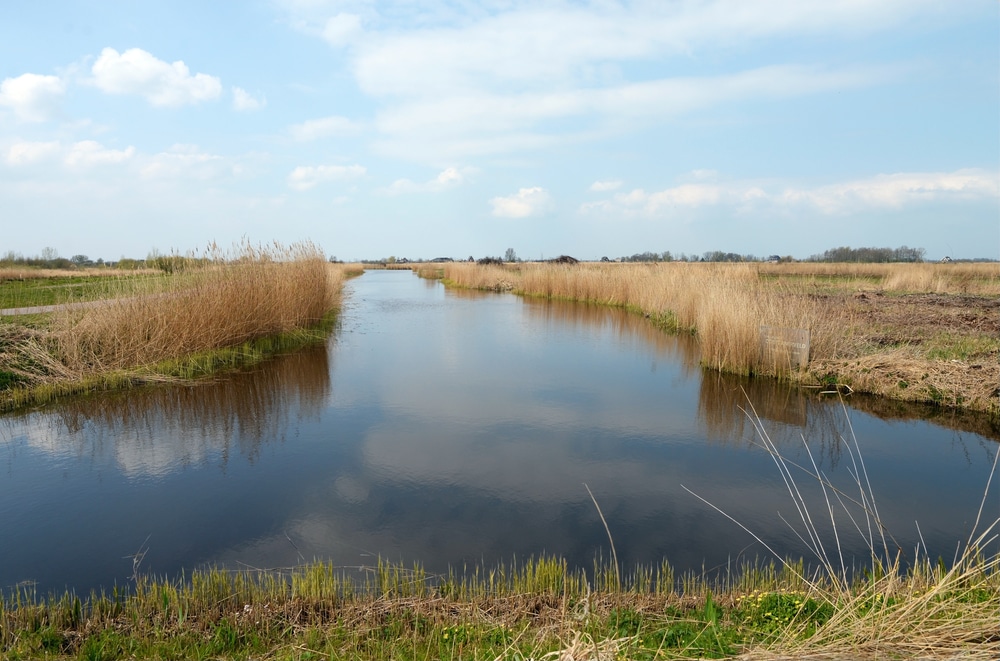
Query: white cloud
point(325, 127)
point(604, 186)
point(457, 80)
point(342, 29)
point(162, 84)
point(244, 101)
point(536, 45)
point(896, 190)
point(32, 97)
point(880, 192)
point(522, 204)
point(469, 123)
point(24, 153)
point(305, 177)
point(445, 180)
point(89, 153)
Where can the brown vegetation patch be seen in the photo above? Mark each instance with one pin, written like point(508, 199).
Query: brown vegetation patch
point(914, 332)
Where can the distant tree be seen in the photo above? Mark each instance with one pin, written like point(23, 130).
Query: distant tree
point(877, 255)
point(719, 256)
point(81, 260)
point(510, 255)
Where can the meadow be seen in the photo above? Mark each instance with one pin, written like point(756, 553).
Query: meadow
point(108, 331)
point(916, 332)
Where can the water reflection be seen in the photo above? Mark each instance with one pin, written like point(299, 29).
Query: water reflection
point(153, 431)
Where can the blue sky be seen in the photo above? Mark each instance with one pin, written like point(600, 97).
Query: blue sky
point(452, 128)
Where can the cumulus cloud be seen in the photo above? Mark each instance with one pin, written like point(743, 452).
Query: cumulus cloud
point(24, 153)
point(244, 101)
point(305, 177)
point(522, 204)
point(32, 97)
point(88, 153)
point(445, 180)
point(324, 127)
point(161, 83)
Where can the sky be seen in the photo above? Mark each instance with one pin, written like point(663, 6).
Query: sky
point(453, 128)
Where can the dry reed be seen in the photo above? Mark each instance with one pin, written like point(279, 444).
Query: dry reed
point(917, 332)
point(230, 300)
point(724, 304)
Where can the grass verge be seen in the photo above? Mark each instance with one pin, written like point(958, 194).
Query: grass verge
point(534, 610)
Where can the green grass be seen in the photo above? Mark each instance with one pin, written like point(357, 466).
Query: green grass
point(520, 611)
point(947, 346)
point(32, 292)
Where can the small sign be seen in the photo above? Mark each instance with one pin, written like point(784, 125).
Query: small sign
point(784, 347)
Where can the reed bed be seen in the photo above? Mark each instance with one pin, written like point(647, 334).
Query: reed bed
point(724, 304)
point(916, 332)
point(252, 300)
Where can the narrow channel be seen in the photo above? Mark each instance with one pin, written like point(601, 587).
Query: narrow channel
point(456, 428)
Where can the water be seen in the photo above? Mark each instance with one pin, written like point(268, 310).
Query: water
point(455, 428)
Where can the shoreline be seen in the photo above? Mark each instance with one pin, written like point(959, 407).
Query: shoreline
point(892, 331)
point(532, 610)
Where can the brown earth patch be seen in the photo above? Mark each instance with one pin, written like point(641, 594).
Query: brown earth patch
point(941, 349)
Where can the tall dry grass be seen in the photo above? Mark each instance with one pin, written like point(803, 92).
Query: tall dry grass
point(926, 610)
point(725, 304)
point(235, 308)
point(250, 293)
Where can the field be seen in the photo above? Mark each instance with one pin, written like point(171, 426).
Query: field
point(914, 332)
point(113, 331)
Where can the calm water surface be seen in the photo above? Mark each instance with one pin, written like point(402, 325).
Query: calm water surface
point(456, 428)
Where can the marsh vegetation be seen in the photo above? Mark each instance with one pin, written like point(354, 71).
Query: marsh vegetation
point(917, 332)
point(229, 309)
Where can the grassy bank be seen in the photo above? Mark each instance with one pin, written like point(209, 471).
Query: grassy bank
point(915, 332)
point(533, 610)
point(233, 310)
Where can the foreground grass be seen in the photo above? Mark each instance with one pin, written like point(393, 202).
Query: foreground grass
point(914, 332)
point(235, 310)
point(538, 609)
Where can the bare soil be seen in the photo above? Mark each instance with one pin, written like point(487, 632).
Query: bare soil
point(890, 342)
